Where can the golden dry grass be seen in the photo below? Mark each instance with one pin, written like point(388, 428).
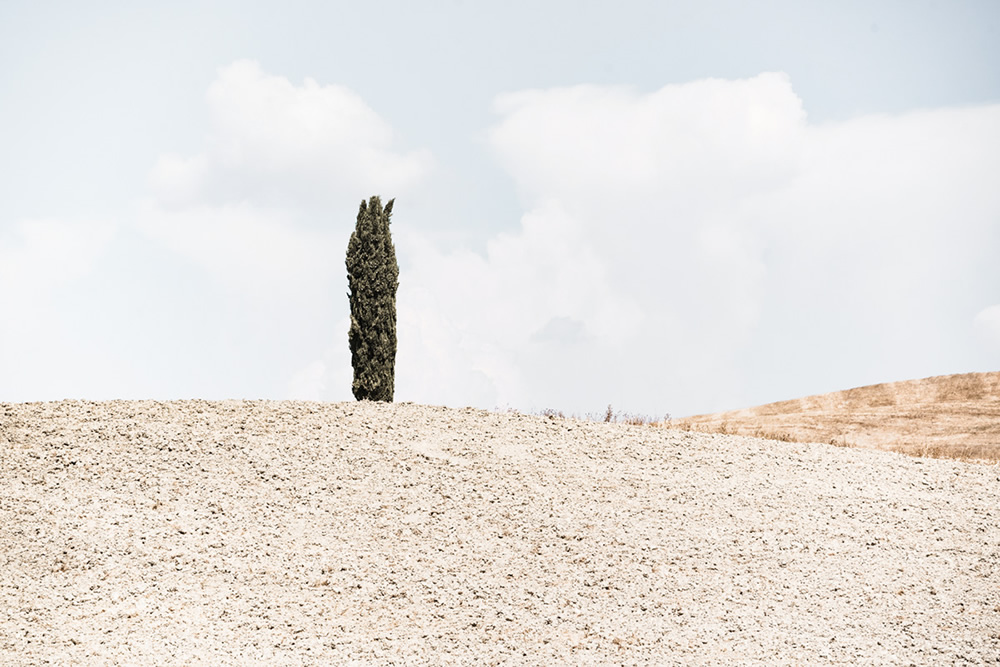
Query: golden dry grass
point(948, 416)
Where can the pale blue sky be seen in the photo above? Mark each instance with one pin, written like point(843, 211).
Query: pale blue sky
point(849, 236)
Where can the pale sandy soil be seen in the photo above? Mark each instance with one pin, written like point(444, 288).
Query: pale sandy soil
point(302, 533)
point(955, 416)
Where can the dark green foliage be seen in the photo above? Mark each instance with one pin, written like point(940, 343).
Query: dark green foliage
point(373, 276)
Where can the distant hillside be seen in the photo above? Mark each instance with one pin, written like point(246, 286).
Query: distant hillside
point(954, 416)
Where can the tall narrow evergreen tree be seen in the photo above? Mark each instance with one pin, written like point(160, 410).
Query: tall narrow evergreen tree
point(373, 276)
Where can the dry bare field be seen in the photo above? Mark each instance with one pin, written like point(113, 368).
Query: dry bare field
point(293, 533)
point(953, 416)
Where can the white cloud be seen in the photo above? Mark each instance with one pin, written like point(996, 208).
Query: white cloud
point(281, 161)
point(687, 247)
point(988, 324)
point(467, 321)
point(261, 252)
point(42, 254)
point(177, 180)
point(278, 144)
point(695, 144)
point(41, 263)
point(630, 271)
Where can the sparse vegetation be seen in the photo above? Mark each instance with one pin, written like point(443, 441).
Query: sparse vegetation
point(951, 416)
point(974, 453)
point(956, 417)
point(608, 417)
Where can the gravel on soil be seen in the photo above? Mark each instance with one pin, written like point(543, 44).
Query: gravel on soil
point(287, 532)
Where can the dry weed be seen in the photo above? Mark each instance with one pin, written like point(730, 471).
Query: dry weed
point(971, 453)
point(968, 387)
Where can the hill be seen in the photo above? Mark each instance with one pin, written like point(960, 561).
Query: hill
point(955, 416)
point(237, 532)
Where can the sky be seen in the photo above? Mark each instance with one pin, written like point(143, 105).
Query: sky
point(670, 207)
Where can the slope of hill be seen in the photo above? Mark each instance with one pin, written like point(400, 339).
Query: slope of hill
point(302, 533)
point(955, 416)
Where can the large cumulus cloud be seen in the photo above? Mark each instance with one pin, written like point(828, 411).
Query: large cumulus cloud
point(731, 249)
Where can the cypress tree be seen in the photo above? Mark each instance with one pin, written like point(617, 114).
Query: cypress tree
point(373, 277)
